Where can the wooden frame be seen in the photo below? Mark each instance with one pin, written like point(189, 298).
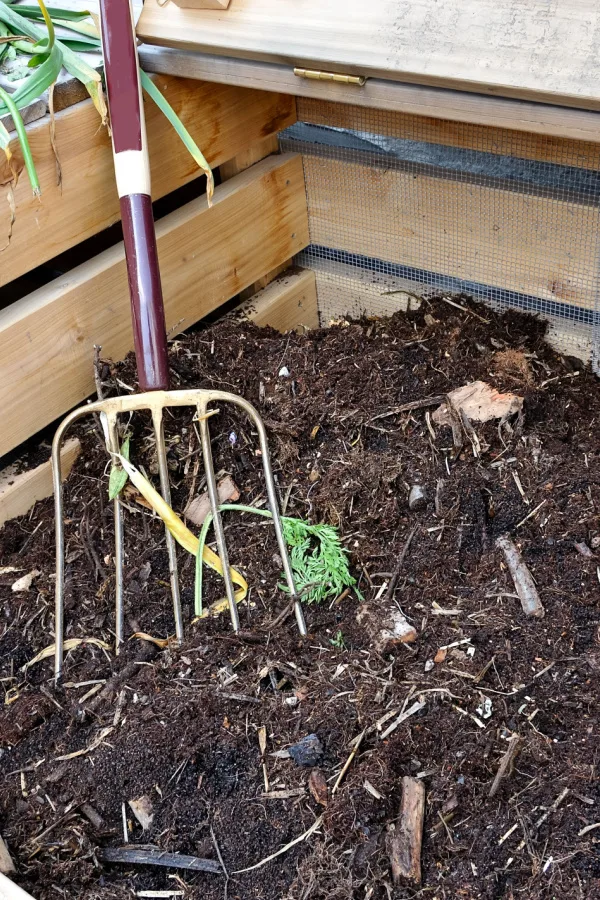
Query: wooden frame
point(415, 99)
point(222, 120)
point(258, 221)
point(534, 50)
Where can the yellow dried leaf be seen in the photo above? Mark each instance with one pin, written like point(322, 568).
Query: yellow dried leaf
point(70, 644)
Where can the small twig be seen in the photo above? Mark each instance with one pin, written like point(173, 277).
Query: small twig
point(348, 762)
point(97, 372)
point(537, 825)
point(533, 513)
point(316, 824)
point(408, 407)
point(415, 708)
point(465, 309)
point(398, 567)
point(221, 860)
point(505, 764)
point(522, 578)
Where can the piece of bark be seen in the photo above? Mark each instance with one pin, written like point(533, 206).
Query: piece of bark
point(480, 402)
point(131, 856)
point(522, 578)
point(317, 785)
point(7, 867)
point(404, 842)
point(198, 508)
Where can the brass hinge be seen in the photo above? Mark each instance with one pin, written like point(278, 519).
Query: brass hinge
point(316, 75)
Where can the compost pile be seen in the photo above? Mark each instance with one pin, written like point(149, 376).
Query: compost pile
point(492, 711)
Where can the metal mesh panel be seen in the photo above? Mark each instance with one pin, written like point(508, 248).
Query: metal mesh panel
point(402, 206)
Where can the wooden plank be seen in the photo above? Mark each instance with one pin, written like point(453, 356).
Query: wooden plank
point(18, 493)
point(289, 303)
point(414, 99)
point(206, 256)
point(519, 242)
point(222, 119)
point(530, 49)
point(503, 141)
point(250, 155)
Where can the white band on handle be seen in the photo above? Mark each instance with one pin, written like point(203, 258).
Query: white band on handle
point(132, 171)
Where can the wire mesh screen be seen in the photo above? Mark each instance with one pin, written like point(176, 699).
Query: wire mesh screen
point(403, 206)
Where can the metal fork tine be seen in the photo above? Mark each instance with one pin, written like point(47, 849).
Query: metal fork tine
point(59, 588)
point(165, 489)
point(113, 447)
point(213, 495)
point(274, 508)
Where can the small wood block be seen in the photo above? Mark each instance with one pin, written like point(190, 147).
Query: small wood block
point(202, 4)
point(18, 493)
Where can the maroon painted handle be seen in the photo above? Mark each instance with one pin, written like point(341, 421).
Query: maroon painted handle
point(133, 182)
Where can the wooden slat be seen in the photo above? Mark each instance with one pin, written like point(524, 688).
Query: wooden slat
point(222, 120)
point(519, 242)
point(503, 141)
point(289, 303)
point(515, 48)
point(206, 256)
point(414, 99)
point(19, 492)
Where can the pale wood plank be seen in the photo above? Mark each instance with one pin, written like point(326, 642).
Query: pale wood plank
point(250, 155)
point(520, 242)
point(222, 119)
point(207, 256)
point(414, 99)
point(18, 493)
point(289, 303)
point(533, 49)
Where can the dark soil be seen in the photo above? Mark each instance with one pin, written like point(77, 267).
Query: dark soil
point(184, 722)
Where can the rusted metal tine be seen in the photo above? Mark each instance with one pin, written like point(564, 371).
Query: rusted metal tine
point(165, 489)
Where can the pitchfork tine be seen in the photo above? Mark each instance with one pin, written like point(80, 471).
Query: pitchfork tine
point(213, 495)
point(165, 489)
point(113, 447)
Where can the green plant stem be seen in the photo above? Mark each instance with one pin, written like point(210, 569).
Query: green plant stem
point(23, 139)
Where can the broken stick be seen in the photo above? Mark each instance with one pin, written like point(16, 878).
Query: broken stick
point(523, 580)
point(506, 762)
point(404, 843)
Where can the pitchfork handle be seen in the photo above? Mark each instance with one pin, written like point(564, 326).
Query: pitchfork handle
point(132, 170)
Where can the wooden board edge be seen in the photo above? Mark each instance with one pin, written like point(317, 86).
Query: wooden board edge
point(289, 303)
point(442, 103)
point(18, 493)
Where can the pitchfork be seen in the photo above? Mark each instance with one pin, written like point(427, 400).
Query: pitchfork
point(132, 171)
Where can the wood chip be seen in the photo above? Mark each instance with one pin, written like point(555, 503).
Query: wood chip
point(24, 583)
point(317, 785)
point(199, 508)
point(480, 402)
point(131, 856)
point(143, 810)
point(7, 867)
point(522, 578)
point(404, 841)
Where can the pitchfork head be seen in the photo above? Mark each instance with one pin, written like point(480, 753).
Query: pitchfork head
point(155, 402)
